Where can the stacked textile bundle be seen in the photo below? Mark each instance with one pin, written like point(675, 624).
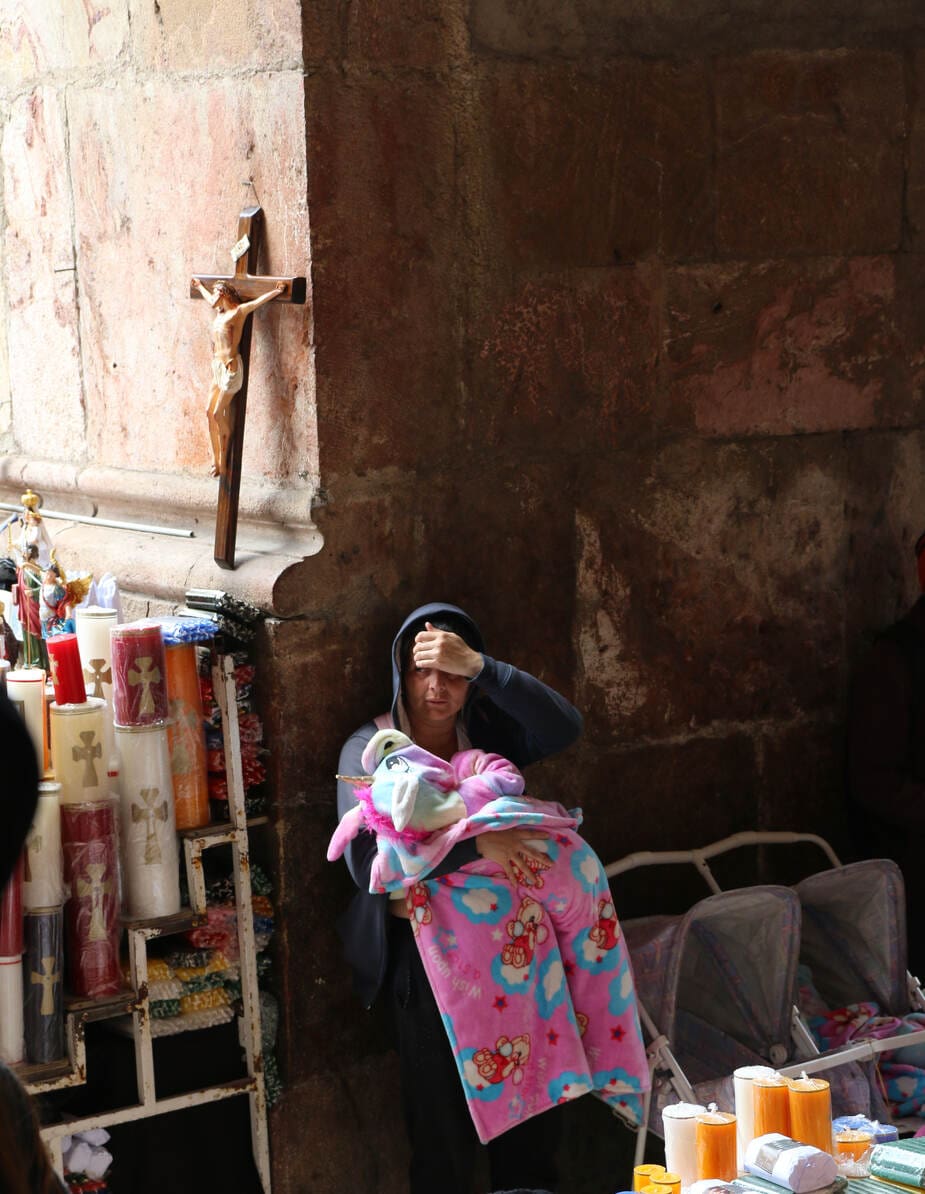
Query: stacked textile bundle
point(218, 936)
point(250, 730)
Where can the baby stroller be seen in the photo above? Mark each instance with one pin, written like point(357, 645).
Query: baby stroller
point(854, 960)
point(717, 986)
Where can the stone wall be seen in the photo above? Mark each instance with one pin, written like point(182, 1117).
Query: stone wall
point(630, 363)
point(616, 341)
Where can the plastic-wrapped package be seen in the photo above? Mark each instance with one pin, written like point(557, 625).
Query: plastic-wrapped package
point(139, 674)
point(92, 928)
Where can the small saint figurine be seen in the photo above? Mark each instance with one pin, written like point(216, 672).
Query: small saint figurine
point(57, 597)
point(231, 313)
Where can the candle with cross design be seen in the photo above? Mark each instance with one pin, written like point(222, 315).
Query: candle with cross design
point(43, 881)
point(65, 668)
point(91, 915)
point(139, 674)
point(150, 859)
point(43, 986)
point(77, 748)
point(93, 626)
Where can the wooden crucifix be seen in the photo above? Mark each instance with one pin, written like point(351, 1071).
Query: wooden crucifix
point(235, 297)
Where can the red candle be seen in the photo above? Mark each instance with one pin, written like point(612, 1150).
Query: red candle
point(66, 669)
point(139, 674)
point(11, 936)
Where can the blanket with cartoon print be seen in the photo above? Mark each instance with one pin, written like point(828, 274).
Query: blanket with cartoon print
point(533, 982)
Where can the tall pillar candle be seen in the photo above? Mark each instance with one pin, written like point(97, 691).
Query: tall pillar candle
point(93, 626)
point(43, 982)
point(811, 1112)
point(716, 1145)
point(771, 1106)
point(679, 1121)
point(11, 939)
point(150, 860)
point(43, 878)
point(91, 914)
point(742, 1080)
point(78, 749)
point(186, 736)
point(26, 689)
point(139, 674)
point(11, 1020)
point(65, 667)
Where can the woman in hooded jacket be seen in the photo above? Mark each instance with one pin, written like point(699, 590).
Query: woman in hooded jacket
point(448, 695)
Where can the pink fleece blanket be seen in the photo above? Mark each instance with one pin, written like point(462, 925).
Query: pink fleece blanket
point(534, 981)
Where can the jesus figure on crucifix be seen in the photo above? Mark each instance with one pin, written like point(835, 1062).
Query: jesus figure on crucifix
point(227, 367)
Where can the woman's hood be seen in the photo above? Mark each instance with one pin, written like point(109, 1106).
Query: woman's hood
point(434, 610)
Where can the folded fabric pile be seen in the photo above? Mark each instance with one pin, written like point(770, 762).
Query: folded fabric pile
point(190, 989)
point(902, 1070)
point(220, 933)
point(250, 730)
point(86, 1161)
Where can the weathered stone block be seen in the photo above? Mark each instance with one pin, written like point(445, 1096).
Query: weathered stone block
point(422, 34)
point(915, 179)
point(588, 169)
point(676, 796)
point(37, 39)
point(788, 347)
point(568, 366)
point(802, 789)
point(216, 34)
point(698, 605)
point(382, 176)
point(553, 29)
point(342, 1131)
point(809, 153)
point(44, 369)
point(145, 342)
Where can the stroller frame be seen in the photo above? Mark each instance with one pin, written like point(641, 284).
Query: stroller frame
point(661, 1058)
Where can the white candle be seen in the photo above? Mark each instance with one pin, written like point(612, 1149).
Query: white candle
point(26, 689)
point(93, 624)
point(78, 748)
point(745, 1106)
point(12, 1043)
point(43, 883)
point(679, 1122)
point(150, 859)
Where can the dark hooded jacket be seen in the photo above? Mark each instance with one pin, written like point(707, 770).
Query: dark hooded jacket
point(508, 712)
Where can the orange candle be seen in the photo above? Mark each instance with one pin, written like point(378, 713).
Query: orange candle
point(643, 1174)
point(852, 1143)
point(716, 1146)
point(186, 737)
point(666, 1183)
point(811, 1112)
point(772, 1105)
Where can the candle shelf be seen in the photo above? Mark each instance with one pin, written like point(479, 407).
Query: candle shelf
point(130, 1008)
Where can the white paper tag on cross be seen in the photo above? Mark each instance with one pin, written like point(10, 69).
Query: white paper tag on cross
point(240, 248)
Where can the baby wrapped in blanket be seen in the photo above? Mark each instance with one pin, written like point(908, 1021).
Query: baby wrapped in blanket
point(533, 982)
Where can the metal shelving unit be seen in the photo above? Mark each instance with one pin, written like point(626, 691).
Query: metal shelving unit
point(72, 1071)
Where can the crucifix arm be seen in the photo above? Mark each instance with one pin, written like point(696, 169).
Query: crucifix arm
point(261, 300)
point(206, 294)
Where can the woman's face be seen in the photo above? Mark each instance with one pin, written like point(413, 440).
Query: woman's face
point(432, 697)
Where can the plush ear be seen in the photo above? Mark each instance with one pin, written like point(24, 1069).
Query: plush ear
point(382, 743)
point(404, 798)
point(345, 832)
